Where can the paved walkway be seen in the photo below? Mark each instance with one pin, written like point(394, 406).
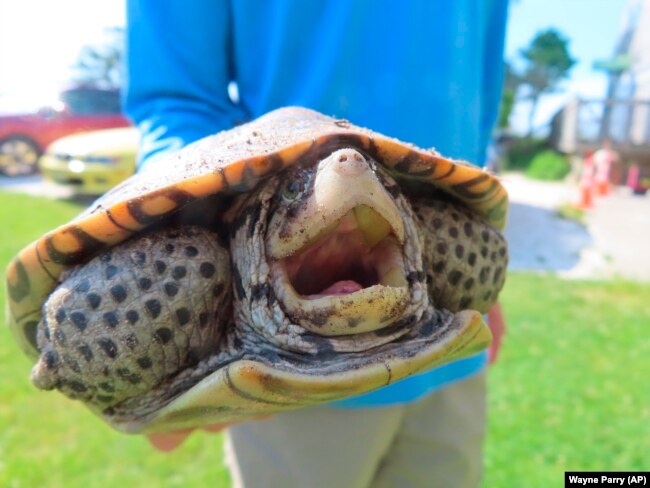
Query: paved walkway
point(620, 228)
point(614, 242)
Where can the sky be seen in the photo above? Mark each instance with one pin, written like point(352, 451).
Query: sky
point(592, 27)
point(40, 39)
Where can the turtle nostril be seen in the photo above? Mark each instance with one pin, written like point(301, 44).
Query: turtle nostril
point(349, 162)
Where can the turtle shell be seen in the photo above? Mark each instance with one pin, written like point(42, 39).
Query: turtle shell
point(228, 163)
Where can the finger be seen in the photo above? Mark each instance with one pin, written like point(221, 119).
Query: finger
point(495, 345)
point(497, 324)
point(168, 441)
point(493, 351)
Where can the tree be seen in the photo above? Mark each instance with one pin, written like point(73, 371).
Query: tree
point(101, 64)
point(510, 86)
point(547, 63)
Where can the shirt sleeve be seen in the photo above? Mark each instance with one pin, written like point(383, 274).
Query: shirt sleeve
point(178, 68)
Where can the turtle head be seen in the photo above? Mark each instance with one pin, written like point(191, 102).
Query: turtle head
point(335, 245)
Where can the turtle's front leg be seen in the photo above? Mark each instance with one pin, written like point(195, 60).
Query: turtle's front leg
point(465, 257)
point(135, 315)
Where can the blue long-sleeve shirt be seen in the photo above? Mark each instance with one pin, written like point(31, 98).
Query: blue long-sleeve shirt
point(424, 71)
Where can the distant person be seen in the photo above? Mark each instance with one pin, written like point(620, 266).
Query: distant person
point(424, 71)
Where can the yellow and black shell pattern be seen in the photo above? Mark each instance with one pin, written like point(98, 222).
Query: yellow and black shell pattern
point(229, 162)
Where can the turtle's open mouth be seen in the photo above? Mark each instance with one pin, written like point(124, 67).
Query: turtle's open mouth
point(358, 251)
point(338, 253)
point(348, 279)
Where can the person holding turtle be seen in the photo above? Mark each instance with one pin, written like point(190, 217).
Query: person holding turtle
point(427, 72)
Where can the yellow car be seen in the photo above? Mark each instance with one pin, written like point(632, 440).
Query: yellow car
point(93, 162)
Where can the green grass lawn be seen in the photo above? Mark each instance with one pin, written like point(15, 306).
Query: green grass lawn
point(570, 391)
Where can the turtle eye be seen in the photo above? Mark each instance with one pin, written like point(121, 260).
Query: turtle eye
point(294, 189)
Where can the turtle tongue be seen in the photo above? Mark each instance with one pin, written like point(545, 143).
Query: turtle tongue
point(342, 287)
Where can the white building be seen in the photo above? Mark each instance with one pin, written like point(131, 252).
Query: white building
point(624, 116)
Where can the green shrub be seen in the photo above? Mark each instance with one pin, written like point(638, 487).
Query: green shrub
point(548, 165)
point(522, 151)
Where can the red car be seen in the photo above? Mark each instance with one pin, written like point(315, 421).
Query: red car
point(23, 137)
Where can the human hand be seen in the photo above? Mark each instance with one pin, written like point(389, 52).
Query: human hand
point(168, 441)
point(497, 325)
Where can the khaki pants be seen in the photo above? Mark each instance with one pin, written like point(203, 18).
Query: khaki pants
point(434, 442)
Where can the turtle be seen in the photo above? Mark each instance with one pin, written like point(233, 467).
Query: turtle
point(293, 260)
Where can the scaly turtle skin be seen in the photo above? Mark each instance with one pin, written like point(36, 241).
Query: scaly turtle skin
point(293, 260)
